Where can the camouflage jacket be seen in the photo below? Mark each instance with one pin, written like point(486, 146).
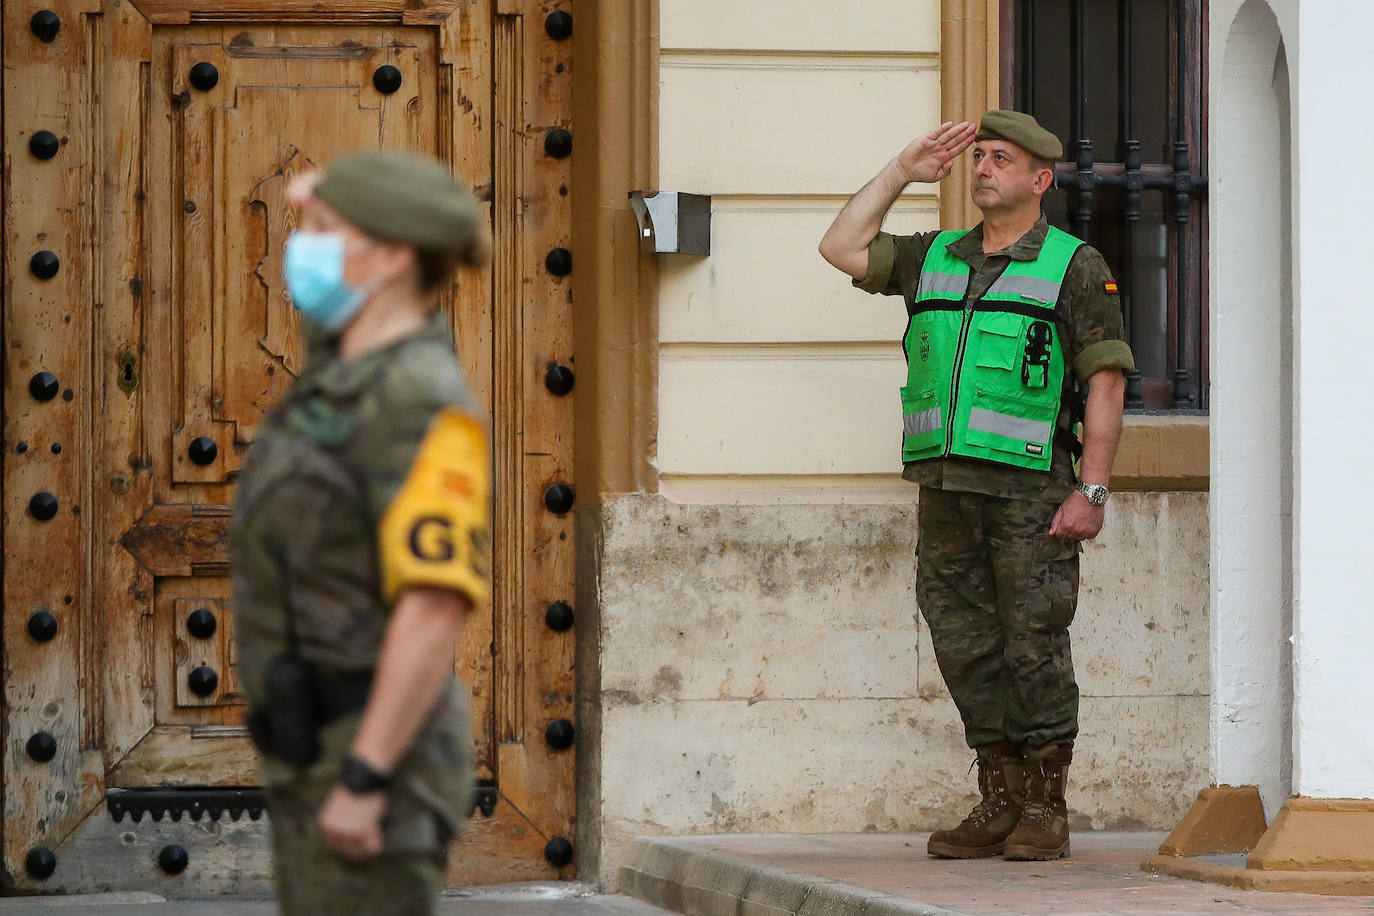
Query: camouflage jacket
point(370, 476)
point(1091, 327)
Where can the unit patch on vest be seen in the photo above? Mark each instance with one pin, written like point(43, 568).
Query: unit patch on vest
point(435, 532)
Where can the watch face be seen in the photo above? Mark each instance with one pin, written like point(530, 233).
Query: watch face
point(1095, 492)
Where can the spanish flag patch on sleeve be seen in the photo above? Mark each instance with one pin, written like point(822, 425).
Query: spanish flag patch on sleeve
point(1110, 286)
point(436, 530)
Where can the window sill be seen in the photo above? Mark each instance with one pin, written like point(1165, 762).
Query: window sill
point(1163, 453)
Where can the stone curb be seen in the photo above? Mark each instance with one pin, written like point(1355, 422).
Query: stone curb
point(118, 898)
point(690, 878)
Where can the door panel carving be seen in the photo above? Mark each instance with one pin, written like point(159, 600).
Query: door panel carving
point(277, 109)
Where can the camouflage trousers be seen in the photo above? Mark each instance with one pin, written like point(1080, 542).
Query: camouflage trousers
point(998, 594)
point(311, 879)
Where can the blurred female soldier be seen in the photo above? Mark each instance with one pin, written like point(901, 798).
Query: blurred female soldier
point(360, 544)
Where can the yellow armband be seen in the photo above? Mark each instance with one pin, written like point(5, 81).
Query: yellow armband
point(435, 532)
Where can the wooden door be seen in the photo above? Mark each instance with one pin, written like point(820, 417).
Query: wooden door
point(147, 147)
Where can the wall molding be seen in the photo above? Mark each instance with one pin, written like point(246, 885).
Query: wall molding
point(615, 108)
point(970, 48)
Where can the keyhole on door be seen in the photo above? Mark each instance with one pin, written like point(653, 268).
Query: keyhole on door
point(128, 373)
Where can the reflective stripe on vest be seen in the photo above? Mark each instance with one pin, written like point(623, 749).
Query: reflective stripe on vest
point(985, 381)
point(916, 424)
point(933, 283)
point(1037, 289)
point(990, 421)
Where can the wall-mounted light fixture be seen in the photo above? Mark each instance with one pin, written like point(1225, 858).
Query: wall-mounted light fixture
point(673, 222)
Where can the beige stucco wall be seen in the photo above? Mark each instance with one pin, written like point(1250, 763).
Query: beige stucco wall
point(770, 365)
point(758, 662)
point(763, 670)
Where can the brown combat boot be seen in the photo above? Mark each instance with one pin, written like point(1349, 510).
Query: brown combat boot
point(982, 832)
point(1043, 832)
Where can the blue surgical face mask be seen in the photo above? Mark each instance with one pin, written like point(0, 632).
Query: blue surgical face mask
point(314, 272)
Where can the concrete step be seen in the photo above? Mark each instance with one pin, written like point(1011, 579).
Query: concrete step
point(687, 875)
point(891, 875)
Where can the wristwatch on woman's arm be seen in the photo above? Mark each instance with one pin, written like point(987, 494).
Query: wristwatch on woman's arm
point(357, 775)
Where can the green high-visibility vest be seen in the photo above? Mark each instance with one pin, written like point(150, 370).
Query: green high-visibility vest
point(986, 382)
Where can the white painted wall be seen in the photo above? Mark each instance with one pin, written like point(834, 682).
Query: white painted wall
point(1334, 575)
point(1251, 455)
point(765, 284)
point(1329, 48)
point(787, 25)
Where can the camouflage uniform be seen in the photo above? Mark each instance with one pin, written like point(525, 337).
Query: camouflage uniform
point(997, 592)
point(316, 489)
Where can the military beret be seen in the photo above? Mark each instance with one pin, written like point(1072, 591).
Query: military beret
point(1023, 130)
point(404, 197)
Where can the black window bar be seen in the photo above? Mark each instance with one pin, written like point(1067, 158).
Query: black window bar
point(1074, 91)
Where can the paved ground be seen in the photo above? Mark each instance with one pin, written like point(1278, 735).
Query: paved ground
point(867, 875)
point(513, 900)
point(891, 874)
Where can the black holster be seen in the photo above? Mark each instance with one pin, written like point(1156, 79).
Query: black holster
point(290, 722)
point(300, 702)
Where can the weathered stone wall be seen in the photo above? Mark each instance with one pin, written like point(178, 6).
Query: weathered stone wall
point(761, 669)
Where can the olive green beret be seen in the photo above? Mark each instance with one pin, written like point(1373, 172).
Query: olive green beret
point(403, 197)
point(1023, 130)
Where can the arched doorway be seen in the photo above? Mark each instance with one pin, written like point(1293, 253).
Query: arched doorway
point(1252, 411)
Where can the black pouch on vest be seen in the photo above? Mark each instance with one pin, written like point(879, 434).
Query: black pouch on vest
point(291, 718)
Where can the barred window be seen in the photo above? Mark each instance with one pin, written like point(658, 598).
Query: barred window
point(1123, 82)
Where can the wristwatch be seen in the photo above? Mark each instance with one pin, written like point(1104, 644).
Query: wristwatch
point(1096, 493)
point(357, 775)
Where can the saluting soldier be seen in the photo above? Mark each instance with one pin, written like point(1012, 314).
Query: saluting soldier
point(1004, 319)
point(360, 544)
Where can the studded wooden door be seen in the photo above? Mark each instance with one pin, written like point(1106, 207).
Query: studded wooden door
point(147, 147)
